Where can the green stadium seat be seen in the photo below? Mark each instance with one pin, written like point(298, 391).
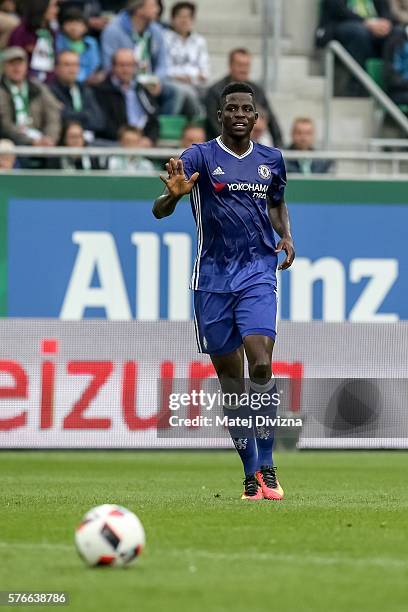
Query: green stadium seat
point(171, 126)
point(375, 68)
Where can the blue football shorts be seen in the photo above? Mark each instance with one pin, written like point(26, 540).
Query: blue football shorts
point(222, 320)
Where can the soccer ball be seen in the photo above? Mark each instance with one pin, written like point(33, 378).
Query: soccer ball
point(109, 535)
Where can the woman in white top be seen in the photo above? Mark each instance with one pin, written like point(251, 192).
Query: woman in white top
point(187, 53)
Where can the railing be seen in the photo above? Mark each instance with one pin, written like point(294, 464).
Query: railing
point(392, 143)
point(390, 162)
point(336, 50)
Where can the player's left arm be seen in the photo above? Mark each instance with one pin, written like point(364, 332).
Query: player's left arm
point(279, 216)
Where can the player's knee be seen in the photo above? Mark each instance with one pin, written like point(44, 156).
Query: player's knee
point(260, 371)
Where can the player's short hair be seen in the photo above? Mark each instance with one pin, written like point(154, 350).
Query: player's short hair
point(180, 6)
point(237, 51)
point(236, 87)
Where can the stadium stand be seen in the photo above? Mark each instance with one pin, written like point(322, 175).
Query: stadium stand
point(162, 111)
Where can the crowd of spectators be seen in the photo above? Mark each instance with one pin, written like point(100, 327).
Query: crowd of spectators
point(73, 75)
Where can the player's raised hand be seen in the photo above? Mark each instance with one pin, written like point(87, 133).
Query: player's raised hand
point(286, 244)
point(176, 182)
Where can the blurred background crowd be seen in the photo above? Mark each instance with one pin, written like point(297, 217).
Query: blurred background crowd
point(97, 72)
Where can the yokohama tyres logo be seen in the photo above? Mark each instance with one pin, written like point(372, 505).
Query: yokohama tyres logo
point(257, 190)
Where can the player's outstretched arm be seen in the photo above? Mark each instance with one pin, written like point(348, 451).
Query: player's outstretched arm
point(177, 186)
point(279, 217)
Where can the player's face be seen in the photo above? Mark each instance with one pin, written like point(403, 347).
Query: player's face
point(238, 115)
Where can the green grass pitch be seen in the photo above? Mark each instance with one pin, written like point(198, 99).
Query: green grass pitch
point(337, 542)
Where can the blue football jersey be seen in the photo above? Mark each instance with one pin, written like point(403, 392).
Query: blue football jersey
point(236, 244)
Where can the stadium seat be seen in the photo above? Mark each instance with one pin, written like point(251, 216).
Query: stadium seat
point(375, 68)
point(171, 127)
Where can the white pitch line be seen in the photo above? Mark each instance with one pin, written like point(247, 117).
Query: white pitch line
point(32, 545)
point(301, 559)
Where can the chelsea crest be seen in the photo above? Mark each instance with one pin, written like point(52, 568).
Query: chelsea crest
point(264, 172)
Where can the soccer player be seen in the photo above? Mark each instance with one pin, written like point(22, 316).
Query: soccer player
point(236, 190)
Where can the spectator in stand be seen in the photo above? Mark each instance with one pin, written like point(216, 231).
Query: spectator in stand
point(239, 70)
point(36, 34)
point(125, 101)
point(303, 139)
point(192, 134)
point(399, 9)
point(78, 100)
point(9, 20)
point(260, 132)
point(136, 28)
point(72, 37)
point(396, 65)
point(187, 53)
point(361, 26)
point(130, 138)
point(29, 113)
point(72, 135)
point(8, 6)
point(8, 161)
point(92, 11)
point(113, 5)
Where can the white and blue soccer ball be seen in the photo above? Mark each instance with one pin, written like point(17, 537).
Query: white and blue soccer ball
point(110, 535)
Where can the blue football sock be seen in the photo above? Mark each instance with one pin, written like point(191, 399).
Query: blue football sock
point(264, 433)
point(243, 439)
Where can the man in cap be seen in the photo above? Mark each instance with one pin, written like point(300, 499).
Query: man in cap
point(29, 113)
